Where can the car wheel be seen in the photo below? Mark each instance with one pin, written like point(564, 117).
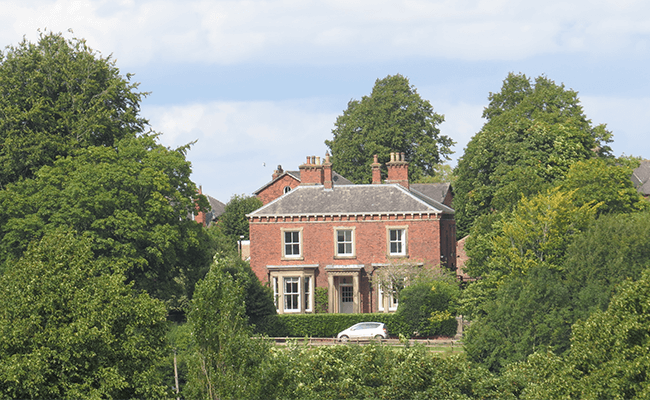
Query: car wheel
point(344, 338)
point(378, 337)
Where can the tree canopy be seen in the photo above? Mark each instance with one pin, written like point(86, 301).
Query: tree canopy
point(58, 95)
point(549, 263)
point(394, 118)
point(233, 222)
point(227, 364)
point(533, 134)
point(132, 199)
point(70, 328)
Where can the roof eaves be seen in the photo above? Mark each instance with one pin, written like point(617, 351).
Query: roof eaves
point(427, 201)
point(275, 180)
point(273, 202)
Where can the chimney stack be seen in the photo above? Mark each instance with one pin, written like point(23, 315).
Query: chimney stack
point(376, 171)
point(398, 170)
point(311, 172)
point(327, 172)
point(277, 172)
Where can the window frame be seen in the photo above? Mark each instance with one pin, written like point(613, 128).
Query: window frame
point(306, 278)
point(403, 241)
point(393, 302)
point(308, 293)
point(352, 242)
point(297, 294)
point(284, 255)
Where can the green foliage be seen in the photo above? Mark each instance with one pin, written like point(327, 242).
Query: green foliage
point(611, 348)
point(69, 328)
point(530, 313)
point(58, 95)
point(321, 300)
point(380, 372)
point(227, 364)
point(258, 299)
point(394, 118)
point(443, 173)
point(220, 242)
point(180, 341)
point(614, 248)
point(428, 308)
point(521, 296)
point(318, 325)
point(608, 355)
point(131, 199)
point(604, 181)
point(233, 222)
point(533, 134)
point(536, 232)
point(543, 375)
point(328, 325)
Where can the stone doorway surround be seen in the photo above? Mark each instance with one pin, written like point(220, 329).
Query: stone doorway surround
point(336, 274)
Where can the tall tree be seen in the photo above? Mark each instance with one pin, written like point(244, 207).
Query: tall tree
point(131, 199)
point(228, 364)
point(606, 181)
point(534, 132)
point(58, 95)
point(233, 222)
point(519, 305)
point(394, 118)
point(71, 329)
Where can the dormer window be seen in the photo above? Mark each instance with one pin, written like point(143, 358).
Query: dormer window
point(286, 189)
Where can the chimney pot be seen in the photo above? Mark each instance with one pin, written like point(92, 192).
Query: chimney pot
point(398, 169)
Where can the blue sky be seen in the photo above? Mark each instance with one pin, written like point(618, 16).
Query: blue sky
point(260, 83)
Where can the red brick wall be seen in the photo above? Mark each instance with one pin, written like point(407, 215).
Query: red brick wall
point(275, 190)
point(311, 174)
point(424, 245)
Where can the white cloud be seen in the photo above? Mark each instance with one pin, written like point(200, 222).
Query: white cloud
point(316, 32)
point(240, 143)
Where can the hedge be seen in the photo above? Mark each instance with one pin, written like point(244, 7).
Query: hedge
point(328, 325)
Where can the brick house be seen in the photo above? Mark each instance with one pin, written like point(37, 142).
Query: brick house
point(284, 181)
point(320, 234)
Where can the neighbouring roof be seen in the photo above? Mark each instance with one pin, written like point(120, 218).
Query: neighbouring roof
point(218, 208)
point(435, 191)
point(641, 178)
point(352, 199)
point(337, 179)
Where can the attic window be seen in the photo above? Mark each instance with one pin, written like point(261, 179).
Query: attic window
point(286, 189)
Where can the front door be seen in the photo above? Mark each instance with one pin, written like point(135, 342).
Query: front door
point(347, 298)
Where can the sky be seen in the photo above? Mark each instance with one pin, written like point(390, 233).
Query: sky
point(257, 84)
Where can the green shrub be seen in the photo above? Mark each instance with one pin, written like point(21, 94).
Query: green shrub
point(427, 308)
point(328, 325)
point(321, 299)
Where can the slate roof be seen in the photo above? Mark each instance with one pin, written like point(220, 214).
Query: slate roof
point(641, 178)
point(337, 179)
point(351, 199)
point(436, 191)
point(218, 208)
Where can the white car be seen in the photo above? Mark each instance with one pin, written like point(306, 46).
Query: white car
point(364, 330)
